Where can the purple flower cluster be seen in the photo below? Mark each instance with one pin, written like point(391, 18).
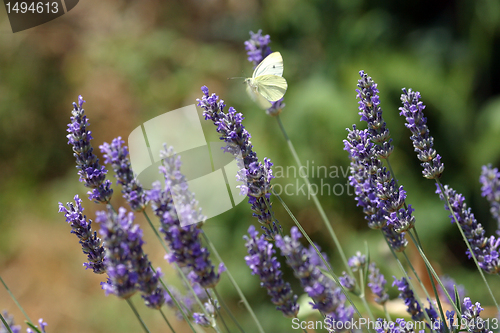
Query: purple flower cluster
point(485, 249)
point(376, 191)
point(91, 173)
point(264, 264)
point(413, 307)
point(256, 175)
point(490, 181)
point(117, 154)
point(328, 298)
point(127, 265)
point(257, 47)
point(357, 262)
point(412, 110)
point(470, 313)
point(370, 111)
point(184, 241)
point(376, 282)
point(91, 244)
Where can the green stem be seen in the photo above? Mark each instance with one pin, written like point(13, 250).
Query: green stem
point(229, 312)
point(176, 303)
point(362, 295)
point(216, 308)
point(15, 300)
point(434, 274)
point(315, 199)
point(166, 320)
point(441, 312)
point(5, 323)
point(327, 265)
point(233, 282)
point(467, 242)
point(410, 284)
point(387, 315)
point(134, 310)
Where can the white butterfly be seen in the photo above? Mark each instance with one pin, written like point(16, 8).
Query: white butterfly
point(267, 84)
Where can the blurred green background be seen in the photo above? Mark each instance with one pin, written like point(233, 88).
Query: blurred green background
point(134, 60)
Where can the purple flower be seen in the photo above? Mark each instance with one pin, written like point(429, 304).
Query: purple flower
point(264, 264)
point(376, 282)
point(10, 322)
point(91, 244)
point(184, 241)
point(485, 249)
point(257, 47)
point(450, 285)
point(490, 181)
point(117, 154)
point(91, 173)
point(413, 307)
point(412, 110)
point(376, 191)
point(347, 281)
point(127, 265)
point(42, 326)
point(470, 313)
point(255, 175)
point(371, 112)
point(327, 297)
point(357, 262)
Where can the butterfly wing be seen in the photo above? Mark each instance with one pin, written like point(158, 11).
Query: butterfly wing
point(271, 87)
point(271, 65)
point(258, 98)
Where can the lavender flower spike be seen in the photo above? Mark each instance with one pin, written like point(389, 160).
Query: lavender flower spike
point(257, 175)
point(91, 173)
point(117, 154)
point(327, 297)
point(412, 109)
point(413, 307)
point(376, 191)
point(257, 47)
point(91, 244)
point(485, 249)
point(263, 263)
point(185, 242)
point(371, 112)
point(470, 314)
point(376, 282)
point(127, 265)
point(490, 181)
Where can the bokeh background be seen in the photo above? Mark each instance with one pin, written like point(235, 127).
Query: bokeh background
point(134, 60)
